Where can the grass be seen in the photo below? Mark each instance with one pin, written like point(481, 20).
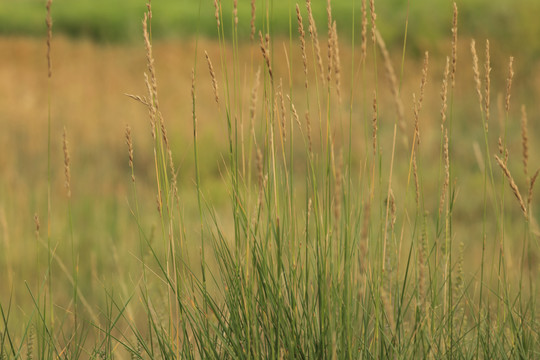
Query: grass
point(118, 21)
point(279, 215)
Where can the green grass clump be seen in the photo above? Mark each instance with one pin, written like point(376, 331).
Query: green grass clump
point(345, 232)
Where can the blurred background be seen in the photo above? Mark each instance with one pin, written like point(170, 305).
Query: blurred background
point(511, 23)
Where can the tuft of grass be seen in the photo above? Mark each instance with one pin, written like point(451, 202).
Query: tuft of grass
point(326, 246)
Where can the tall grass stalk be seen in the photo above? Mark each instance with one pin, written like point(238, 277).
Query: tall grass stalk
point(323, 249)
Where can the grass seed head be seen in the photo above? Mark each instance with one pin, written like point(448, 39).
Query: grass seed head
point(512, 184)
point(531, 186)
point(363, 46)
point(266, 53)
point(217, 6)
point(476, 71)
point(129, 143)
point(302, 42)
point(454, 45)
point(213, 76)
point(509, 83)
point(253, 13)
point(315, 39)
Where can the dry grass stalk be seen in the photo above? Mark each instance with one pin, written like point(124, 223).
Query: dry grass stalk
point(235, 12)
point(193, 98)
point(394, 86)
point(282, 108)
point(266, 54)
point(373, 22)
point(150, 61)
point(302, 41)
point(174, 186)
point(500, 109)
point(500, 146)
point(315, 39)
point(525, 141)
point(509, 83)
point(454, 45)
point(531, 186)
point(329, 17)
point(416, 112)
point(476, 72)
point(374, 124)
point(512, 184)
point(217, 6)
point(330, 41)
point(48, 21)
point(151, 108)
point(129, 143)
point(363, 47)
point(417, 105)
point(416, 179)
point(253, 12)
point(336, 61)
point(30, 343)
point(487, 69)
point(309, 208)
point(67, 162)
point(213, 76)
point(444, 92)
point(142, 99)
point(151, 82)
point(393, 208)
point(424, 78)
point(446, 182)
point(310, 140)
point(338, 188)
point(155, 114)
point(159, 203)
point(294, 112)
point(253, 103)
point(149, 9)
point(37, 224)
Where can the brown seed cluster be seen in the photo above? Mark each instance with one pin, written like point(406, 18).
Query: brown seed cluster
point(454, 45)
point(509, 83)
point(315, 39)
point(48, 21)
point(213, 76)
point(302, 42)
point(266, 52)
point(129, 143)
point(253, 13)
point(512, 184)
point(446, 159)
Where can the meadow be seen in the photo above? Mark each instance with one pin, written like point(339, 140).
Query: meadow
point(202, 184)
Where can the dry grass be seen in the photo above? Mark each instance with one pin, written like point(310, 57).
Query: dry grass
point(88, 86)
